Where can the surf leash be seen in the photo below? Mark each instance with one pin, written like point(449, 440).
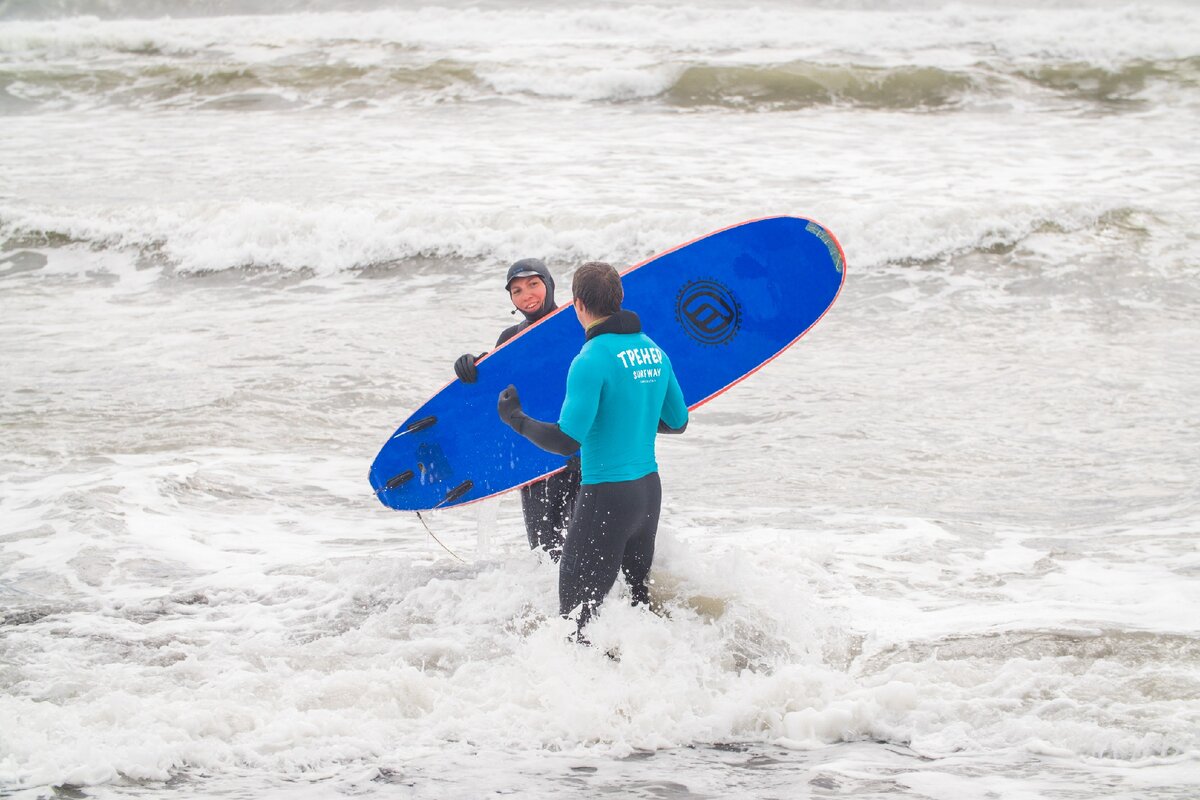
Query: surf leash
point(451, 496)
point(436, 539)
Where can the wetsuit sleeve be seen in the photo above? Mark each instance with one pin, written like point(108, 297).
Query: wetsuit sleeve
point(547, 436)
point(582, 400)
point(674, 417)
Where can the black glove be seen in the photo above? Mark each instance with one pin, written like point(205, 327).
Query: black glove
point(465, 369)
point(508, 405)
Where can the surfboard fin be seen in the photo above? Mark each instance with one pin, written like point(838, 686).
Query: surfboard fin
point(399, 480)
point(418, 425)
point(421, 424)
point(458, 491)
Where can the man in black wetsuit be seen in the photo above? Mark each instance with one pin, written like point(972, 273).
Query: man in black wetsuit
point(546, 504)
point(621, 392)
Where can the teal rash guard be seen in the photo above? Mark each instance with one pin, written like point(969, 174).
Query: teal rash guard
point(619, 387)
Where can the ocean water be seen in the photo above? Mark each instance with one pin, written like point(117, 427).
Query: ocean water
point(946, 547)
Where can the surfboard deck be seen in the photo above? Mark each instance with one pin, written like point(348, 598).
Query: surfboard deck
point(721, 307)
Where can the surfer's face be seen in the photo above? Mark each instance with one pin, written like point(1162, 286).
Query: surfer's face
point(528, 294)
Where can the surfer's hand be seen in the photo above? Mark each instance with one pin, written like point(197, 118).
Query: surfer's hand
point(508, 405)
point(464, 368)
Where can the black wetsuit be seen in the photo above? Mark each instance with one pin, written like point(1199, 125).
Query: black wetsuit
point(613, 530)
point(546, 504)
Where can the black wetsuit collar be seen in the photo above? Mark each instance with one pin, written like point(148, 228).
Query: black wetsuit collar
point(621, 322)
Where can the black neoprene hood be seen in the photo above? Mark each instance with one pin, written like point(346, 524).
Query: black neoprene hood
point(527, 268)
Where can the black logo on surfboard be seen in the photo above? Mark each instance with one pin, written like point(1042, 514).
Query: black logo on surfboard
point(708, 311)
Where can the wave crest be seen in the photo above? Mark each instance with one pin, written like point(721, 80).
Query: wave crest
point(800, 84)
point(244, 86)
point(1102, 84)
point(206, 81)
point(331, 240)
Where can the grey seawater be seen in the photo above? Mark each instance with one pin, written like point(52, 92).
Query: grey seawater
point(946, 466)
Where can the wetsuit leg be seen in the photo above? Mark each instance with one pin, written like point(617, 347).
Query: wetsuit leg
point(546, 506)
point(639, 550)
point(564, 490)
point(613, 528)
point(535, 507)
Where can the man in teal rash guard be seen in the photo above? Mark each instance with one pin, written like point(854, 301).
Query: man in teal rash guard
point(621, 392)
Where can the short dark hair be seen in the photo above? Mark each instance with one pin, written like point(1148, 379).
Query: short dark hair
point(598, 286)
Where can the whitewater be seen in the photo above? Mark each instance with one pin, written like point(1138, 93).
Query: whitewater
point(945, 547)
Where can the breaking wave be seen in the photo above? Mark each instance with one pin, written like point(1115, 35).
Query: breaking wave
point(799, 85)
point(162, 82)
point(333, 54)
point(1106, 85)
point(234, 86)
point(333, 240)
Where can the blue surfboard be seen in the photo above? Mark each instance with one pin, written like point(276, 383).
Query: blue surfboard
point(721, 307)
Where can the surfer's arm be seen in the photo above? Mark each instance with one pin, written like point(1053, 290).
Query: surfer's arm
point(674, 417)
point(582, 401)
point(546, 435)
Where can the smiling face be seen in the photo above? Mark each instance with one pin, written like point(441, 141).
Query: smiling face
point(528, 294)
